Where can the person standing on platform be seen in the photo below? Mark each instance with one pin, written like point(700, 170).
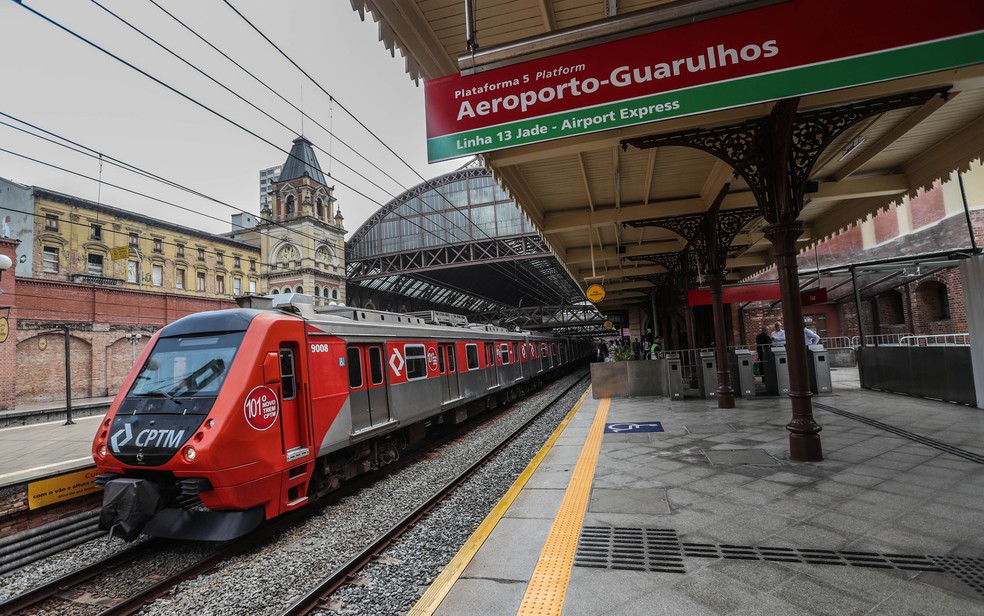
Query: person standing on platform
point(811, 336)
point(779, 335)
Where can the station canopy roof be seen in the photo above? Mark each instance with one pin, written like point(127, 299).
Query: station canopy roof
point(585, 192)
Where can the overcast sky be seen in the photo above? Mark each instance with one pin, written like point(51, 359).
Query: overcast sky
point(63, 85)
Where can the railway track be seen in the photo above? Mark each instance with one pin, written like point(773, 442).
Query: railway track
point(85, 591)
point(344, 574)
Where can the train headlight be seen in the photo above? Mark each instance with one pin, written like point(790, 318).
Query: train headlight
point(102, 451)
point(190, 453)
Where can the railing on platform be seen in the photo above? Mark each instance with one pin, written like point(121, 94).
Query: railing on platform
point(936, 340)
point(837, 342)
point(879, 340)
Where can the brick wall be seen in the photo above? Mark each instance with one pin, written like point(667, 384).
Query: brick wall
point(8, 347)
point(98, 320)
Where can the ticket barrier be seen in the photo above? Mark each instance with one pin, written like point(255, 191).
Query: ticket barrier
point(674, 376)
point(742, 366)
point(707, 381)
point(818, 368)
point(776, 371)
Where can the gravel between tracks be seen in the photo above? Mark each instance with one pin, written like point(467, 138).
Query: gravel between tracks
point(267, 580)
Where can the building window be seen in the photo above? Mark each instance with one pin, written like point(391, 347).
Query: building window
point(180, 251)
point(237, 286)
point(132, 272)
point(157, 275)
point(95, 265)
point(935, 301)
point(252, 265)
point(220, 284)
point(158, 245)
point(95, 232)
point(201, 282)
point(134, 240)
point(299, 289)
point(201, 254)
point(179, 278)
point(219, 258)
point(252, 286)
point(334, 293)
point(50, 260)
point(891, 308)
point(236, 262)
point(50, 222)
point(317, 291)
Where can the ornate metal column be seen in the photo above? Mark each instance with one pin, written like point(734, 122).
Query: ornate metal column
point(776, 155)
point(804, 432)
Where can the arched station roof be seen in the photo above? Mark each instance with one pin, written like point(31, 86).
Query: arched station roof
point(461, 241)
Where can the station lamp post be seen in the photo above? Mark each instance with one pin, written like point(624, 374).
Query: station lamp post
point(134, 339)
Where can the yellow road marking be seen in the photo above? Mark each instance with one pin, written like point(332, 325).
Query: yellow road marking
point(548, 585)
point(442, 585)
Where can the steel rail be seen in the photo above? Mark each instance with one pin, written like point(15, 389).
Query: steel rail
point(344, 573)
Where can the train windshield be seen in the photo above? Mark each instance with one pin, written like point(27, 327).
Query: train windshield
point(187, 366)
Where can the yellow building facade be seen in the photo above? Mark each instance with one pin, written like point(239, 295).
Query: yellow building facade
point(89, 243)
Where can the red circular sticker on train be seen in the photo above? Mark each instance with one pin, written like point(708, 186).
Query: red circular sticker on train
point(261, 408)
point(432, 359)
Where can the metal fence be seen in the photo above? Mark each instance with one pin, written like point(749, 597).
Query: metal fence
point(937, 340)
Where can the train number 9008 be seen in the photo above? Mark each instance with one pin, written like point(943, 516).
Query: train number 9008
point(319, 348)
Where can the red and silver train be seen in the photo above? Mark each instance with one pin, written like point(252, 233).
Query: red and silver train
point(254, 410)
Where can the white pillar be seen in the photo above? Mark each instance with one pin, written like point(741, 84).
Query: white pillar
point(972, 274)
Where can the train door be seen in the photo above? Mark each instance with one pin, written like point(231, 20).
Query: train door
point(367, 391)
point(449, 372)
point(492, 370)
point(294, 430)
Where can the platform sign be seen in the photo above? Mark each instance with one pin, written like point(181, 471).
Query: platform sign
point(61, 488)
point(633, 427)
point(778, 51)
point(595, 293)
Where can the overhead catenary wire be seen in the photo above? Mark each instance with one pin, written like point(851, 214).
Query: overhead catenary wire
point(341, 106)
point(534, 287)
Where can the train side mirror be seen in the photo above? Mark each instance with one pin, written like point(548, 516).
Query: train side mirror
point(271, 368)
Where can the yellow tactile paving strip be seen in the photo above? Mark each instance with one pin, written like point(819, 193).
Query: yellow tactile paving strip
point(548, 586)
point(442, 585)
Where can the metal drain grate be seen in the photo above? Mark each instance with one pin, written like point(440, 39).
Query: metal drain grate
point(634, 549)
point(970, 571)
point(659, 549)
point(906, 562)
point(925, 440)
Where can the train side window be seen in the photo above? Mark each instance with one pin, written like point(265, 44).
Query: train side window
point(471, 356)
point(489, 354)
point(354, 367)
point(416, 361)
point(440, 360)
point(504, 354)
point(451, 360)
point(287, 374)
point(376, 365)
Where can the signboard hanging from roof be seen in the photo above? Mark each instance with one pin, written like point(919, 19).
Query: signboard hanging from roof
point(786, 49)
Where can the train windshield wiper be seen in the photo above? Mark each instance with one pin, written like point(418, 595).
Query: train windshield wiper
point(158, 393)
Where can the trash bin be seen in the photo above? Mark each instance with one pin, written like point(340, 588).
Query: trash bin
point(818, 368)
point(674, 376)
point(776, 371)
point(707, 380)
point(742, 372)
